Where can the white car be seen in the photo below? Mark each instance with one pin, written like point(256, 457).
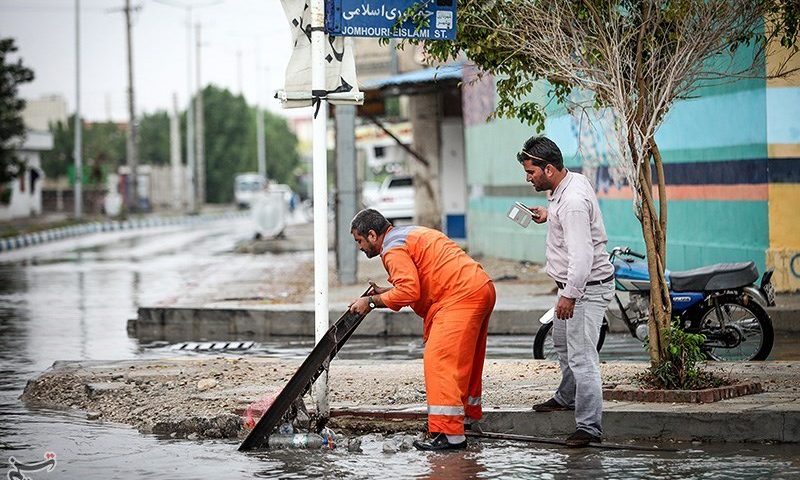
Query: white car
point(396, 198)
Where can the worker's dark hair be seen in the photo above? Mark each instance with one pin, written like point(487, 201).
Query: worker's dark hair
point(540, 150)
point(369, 219)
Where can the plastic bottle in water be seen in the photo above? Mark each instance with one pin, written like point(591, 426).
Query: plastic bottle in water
point(297, 440)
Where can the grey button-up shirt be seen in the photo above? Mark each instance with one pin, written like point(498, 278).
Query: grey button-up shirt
point(576, 237)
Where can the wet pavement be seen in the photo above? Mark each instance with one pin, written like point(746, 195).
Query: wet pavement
point(71, 300)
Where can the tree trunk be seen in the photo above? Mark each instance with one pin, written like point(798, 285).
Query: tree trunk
point(654, 233)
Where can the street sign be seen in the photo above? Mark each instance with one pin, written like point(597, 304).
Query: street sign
point(376, 18)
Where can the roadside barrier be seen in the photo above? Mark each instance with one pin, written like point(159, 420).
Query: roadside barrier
point(53, 234)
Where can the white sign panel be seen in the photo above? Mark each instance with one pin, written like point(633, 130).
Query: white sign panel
point(340, 69)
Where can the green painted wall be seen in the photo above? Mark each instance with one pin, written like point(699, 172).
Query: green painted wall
point(699, 232)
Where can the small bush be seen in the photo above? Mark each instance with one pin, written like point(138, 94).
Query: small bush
point(681, 369)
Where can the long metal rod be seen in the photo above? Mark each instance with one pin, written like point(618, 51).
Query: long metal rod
point(320, 186)
point(315, 365)
point(78, 197)
point(556, 441)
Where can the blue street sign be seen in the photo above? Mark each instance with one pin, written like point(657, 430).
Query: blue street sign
point(379, 18)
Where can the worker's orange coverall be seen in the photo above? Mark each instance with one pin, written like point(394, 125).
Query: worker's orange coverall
point(455, 297)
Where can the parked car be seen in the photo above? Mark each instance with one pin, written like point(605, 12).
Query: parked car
point(396, 198)
point(246, 186)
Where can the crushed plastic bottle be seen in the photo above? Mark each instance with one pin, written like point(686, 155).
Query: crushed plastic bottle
point(328, 437)
point(297, 440)
point(286, 429)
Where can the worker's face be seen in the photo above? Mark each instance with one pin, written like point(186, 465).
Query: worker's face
point(540, 178)
point(367, 244)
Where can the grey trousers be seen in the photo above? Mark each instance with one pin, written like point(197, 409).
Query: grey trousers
point(575, 341)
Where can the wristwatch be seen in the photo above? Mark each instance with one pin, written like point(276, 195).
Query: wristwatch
point(372, 305)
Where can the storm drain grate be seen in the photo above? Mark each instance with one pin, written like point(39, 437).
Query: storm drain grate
point(215, 346)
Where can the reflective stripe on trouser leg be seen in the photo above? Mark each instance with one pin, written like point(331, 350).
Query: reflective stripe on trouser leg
point(455, 345)
point(485, 301)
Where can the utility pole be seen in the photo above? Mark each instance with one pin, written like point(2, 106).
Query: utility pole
point(132, 146)
point(261, 148)
point(199, 146)
point(78, 197)
point(175, 155)
point(191, 195)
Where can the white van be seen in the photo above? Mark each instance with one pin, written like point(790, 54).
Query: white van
point(246, 186)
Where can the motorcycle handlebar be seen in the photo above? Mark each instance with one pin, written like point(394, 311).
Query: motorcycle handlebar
point(627, 251)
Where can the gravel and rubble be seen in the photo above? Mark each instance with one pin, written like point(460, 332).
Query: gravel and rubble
point(205, 397)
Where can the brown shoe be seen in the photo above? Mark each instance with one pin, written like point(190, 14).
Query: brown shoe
point(550, 406)
point(581, 438)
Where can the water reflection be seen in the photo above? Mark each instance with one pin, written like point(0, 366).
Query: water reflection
point(74, 305)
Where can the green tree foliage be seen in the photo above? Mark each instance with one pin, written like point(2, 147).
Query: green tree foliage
point(103, 149)
point(154, 138)
point(12, 129)
point(230, 143)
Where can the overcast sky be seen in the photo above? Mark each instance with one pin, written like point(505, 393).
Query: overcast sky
point(44, 31)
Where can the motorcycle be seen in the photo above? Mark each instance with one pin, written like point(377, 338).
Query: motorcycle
point(720, 301)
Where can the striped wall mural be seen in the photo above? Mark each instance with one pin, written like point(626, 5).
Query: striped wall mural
point(732, 167)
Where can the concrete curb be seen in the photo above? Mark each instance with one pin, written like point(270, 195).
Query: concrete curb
point(196, 324)
point(629, 421)
point(31, 239)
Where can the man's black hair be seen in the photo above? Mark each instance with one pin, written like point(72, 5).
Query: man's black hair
point(540, 150)
point(369, 219)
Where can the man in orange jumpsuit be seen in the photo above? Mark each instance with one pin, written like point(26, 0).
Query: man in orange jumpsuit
point(455, 297)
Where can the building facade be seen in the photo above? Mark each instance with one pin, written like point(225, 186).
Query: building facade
point(732, 166)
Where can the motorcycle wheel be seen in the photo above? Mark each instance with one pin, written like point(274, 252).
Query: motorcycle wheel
point(543, 347)
point(748, 332)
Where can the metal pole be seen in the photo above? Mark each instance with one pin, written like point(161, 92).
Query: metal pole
point(175, 155)
point(320, 183)
point(133, 195)
point(261, 148)
point(190, 159)
point(78, 124)
point(198, 139)
point(346, 197)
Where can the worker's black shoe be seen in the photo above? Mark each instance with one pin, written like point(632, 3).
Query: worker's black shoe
point(550, 406)
point(472, 427)
point(581, 438)
point(437, 443)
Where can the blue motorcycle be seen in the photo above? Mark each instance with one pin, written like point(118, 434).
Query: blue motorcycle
point(720, 301)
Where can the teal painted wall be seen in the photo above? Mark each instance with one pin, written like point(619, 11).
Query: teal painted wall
point(729, 123)
point(695, 237)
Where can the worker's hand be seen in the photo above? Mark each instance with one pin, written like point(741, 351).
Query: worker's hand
point(539, 214)
point(565, 308)
point(360, 306)
point(376, 290)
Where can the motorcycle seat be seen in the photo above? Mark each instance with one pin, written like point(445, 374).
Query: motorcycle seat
point(719, 276)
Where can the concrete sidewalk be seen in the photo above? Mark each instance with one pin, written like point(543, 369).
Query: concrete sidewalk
point(200, 396)
point(238, 309)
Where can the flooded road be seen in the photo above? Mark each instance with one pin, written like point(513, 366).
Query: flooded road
point(71, 301)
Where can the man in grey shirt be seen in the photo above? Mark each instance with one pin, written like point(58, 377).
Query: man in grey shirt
point(578, 263)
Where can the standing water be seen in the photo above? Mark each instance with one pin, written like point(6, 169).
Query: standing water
point(59, 303)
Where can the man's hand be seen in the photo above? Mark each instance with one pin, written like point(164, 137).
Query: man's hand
point(360, 306)
point(539, 214)
point(378, 290)
point(565, 308)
